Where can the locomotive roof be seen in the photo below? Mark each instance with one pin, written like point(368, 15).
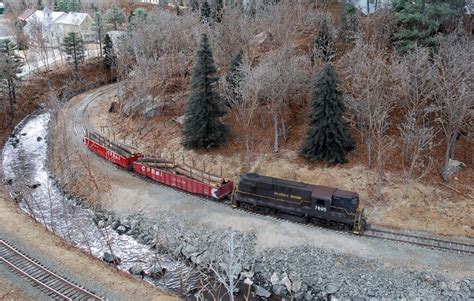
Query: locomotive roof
point(317, 191)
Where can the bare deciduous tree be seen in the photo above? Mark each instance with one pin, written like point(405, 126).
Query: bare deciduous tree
point(454, 97)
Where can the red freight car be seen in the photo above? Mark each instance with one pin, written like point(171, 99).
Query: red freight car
point(169, 176)
point(109, 150)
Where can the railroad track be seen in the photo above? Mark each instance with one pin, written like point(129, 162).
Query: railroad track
point(426, 242)
point(46, 281)
point(420, 240)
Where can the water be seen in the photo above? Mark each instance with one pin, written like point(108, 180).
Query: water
point(25, 166)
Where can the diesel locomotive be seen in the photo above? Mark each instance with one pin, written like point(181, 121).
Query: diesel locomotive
point(305, 202)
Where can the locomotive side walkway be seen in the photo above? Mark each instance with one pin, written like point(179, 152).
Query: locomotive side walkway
point(130, 195)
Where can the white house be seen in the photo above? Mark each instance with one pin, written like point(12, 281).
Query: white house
point(56, 25)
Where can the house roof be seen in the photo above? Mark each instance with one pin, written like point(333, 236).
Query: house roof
point(72, 18)
point(24, 15)
point(41, 15)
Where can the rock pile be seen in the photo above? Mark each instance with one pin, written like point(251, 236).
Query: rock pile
point(301, 273)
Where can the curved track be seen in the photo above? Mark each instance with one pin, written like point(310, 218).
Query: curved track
point(40, 277)
point(80, 128)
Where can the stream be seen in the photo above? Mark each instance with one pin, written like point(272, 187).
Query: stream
point(25, 169)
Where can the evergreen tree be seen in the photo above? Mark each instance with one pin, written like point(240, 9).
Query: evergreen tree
point(74, 5)
point(10, 66)
point(234, 77)
point(99, 26)
point(73, 46)
point(217, 10)
point(61, 5)
point(327, 137)
point(420, 22)
point(202, 127)
point(349, 23)
point(205, 12)
point(109, 55)
point(115, 16)
point(324, 43)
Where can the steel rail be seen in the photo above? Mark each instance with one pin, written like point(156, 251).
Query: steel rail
point(51, 283)
point(371, 232)
point(420, 240)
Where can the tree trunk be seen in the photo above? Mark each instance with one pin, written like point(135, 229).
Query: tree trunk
point(11, 96)
point(369, 150)
point(368, 7)
point(454, 140)
point(275, 127)
point(283, 126)
point(446, 160)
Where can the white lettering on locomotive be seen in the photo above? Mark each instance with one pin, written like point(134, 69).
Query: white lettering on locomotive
point(320, 208)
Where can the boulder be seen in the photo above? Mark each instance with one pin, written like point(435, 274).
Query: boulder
point(279, 289)
point(296, 286)
point(247, 274)
point(248, 281)
point(121, 229)
point(110, 258)
point(101, 224)
point(275, 279)
point(115, 224)
point(136, 270)
point(258, 268)
point(261, 292)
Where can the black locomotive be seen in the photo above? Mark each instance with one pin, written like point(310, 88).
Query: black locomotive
point(305, 202)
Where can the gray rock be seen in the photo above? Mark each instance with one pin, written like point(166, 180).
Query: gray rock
point(101, 224)
point(136, 270)
point(115, 224)
point(247, 274)
point(248, 281)
point(121, 229)
point(258, 268)
point(308, 296)
point(332, 288)
point(279, 289)
point(296, 286)
point(275, 279)
point(110, 258)
point(261, 292)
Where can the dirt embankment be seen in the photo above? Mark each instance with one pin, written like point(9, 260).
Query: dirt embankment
point(414, 205)
point(34, 238)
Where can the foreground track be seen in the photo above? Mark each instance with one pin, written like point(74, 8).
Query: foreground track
point(43, 279)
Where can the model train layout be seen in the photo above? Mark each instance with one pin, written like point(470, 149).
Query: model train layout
point(288, 199)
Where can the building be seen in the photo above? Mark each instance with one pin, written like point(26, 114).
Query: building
point(54, 25)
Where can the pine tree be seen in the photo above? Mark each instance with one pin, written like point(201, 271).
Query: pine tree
point(349, 23)
point(74, 5)
point(115, 16)
point(10, 66)
point(324, 43)
point(420, 22)
point(234, 77)
point(205, 12)
point(202, 127)
point(217, 10)
point(73, 46)
point(109, 55)
point(327, 137)
point(61, 5)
